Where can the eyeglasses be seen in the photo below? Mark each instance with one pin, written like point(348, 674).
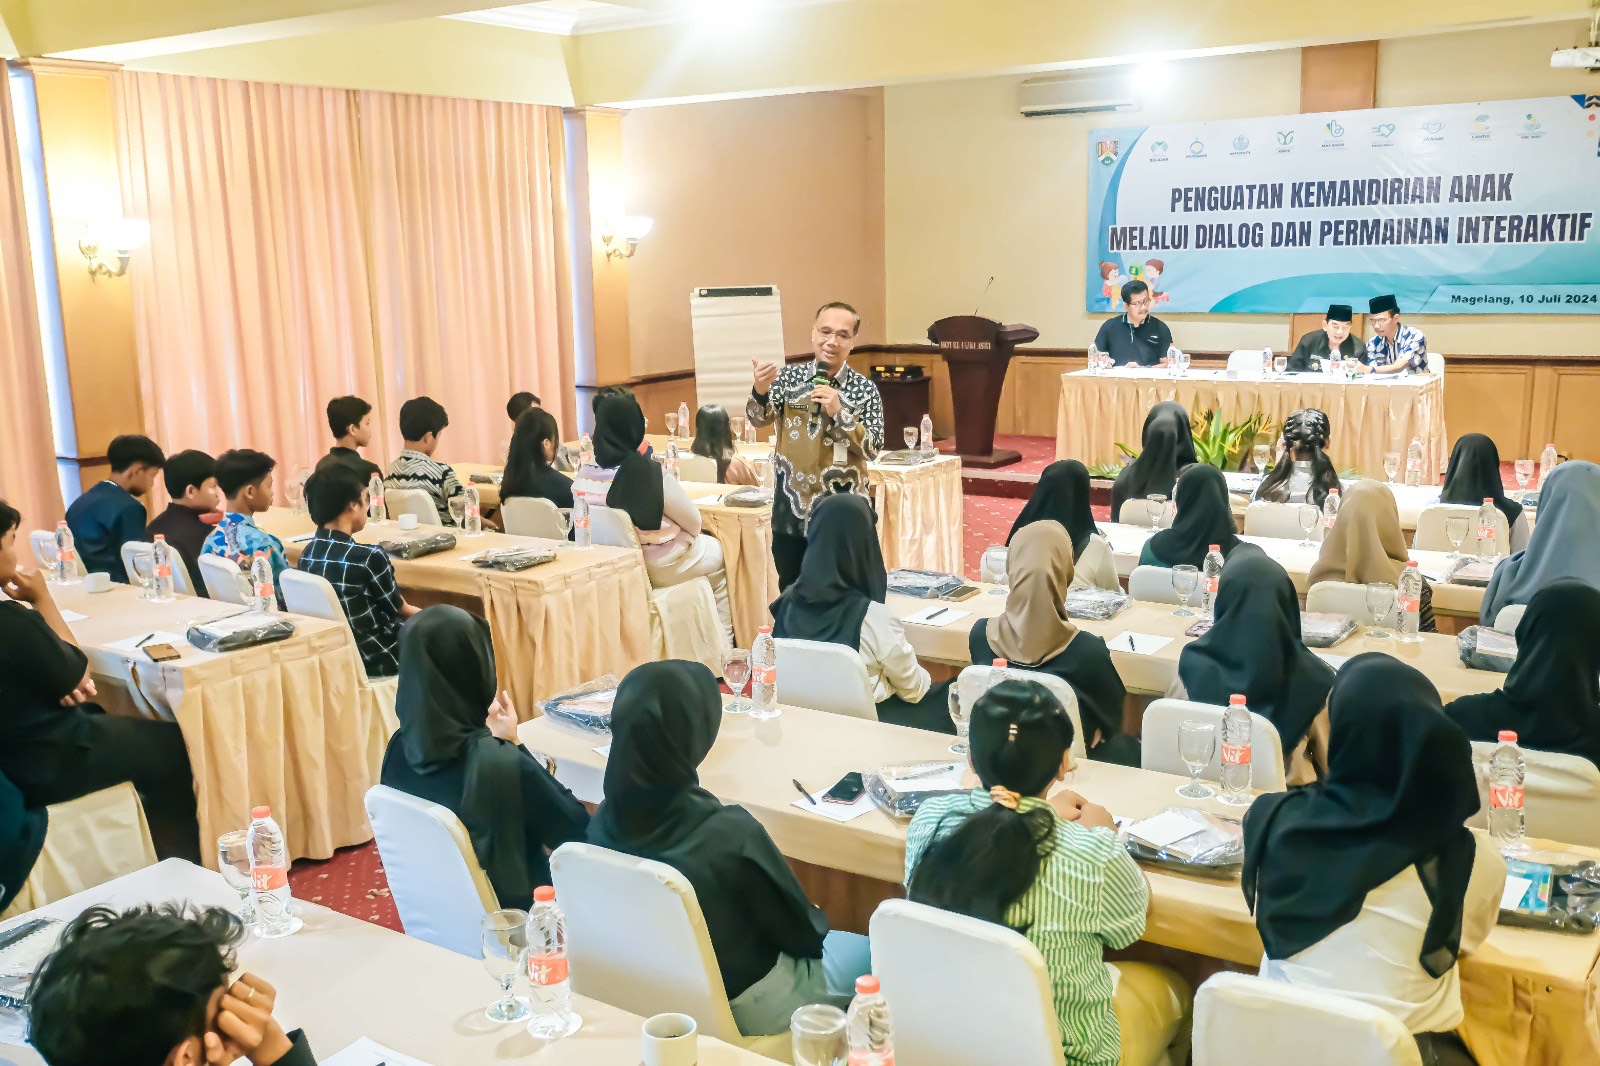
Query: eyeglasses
point(1139, 304)
point(833, 334)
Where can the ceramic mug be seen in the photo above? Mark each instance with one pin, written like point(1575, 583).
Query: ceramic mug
point(671, 1040)
point(98, 581)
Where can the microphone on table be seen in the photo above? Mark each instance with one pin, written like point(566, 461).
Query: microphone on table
point(983, 294)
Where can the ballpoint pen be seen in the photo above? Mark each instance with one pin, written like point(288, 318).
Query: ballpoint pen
point(932, 771)
point(803, 791)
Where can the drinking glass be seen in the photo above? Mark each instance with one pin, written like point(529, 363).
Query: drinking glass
point(1309, 517)
point(910, 433)
point(1391, 465)
point(51, 557)
point(233, 859)
point(749, 433)
point(1280, 364)
point(736, 423)
point(736, 672)
point(458, 509)
point(1524, 469)
point(1197, 742)
point(143, 566)
point(1184, 359)
point(1154, 505)
point(762, 465)
point(1260, 456)
point(1456, 527)
point(818, 1036)
point(961, 715)
point(992, 567)
point(296, 491)
point(1380, 601)
point(564, 518)
point(1185, 579)
point(672, 424)
point(505, 942)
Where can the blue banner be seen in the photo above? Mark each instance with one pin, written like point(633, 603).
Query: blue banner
point(1484, 208)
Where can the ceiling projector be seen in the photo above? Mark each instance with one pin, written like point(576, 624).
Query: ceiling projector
point(1576, 58)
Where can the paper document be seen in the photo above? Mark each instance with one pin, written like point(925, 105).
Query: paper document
point(839, 812)
point(72, 616)
point(1164, 829)
point(1138, 643)
point(1335, 661)
point(1515, 892)
point(706, 500)
point(159, 636)
point(368, 1052)
point(604, 751)
point(937, 616)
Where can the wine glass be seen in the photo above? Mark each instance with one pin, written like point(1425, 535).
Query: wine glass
point(817, 1033)
point(458, 509)
point(233, 859)
point(672, 424)
point(1197, 743)
point(1155, 505)
point(505, 942)
point(1184, 359)
point(1524, 469)
point(961, 715)
point(296, 491)
point(1380, 601)
point(910, 433)
point(749, 433)
point(736, 672)
point(142, 567)
point(1309, 516)
point(1456, 527)
point(763, 466)
point(1280, 364)
point(1391, 465)
point(1185, 579)
point(992, 568)
point(564, 518)
point(1260, 456)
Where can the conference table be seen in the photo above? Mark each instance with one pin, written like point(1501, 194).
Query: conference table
point(341, 980)
point(1370, 415)
point(291, 724)
point(1410, 500)
point(555, 625)
point(1531, 996)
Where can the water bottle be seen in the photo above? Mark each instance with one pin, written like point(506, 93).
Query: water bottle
point(1505, 795)
point(926, 444)
point(1414, 462)
point(1266, 361)
point(1408, 602)
point(683, 420)
point(585, 450)
point(669, 462)
point(1211, 577)
point(1330, 509)
point(1547, 463)
point(269, 875)
point(1236, 751)
point(764, 676)
point(871, 1029)
point(472, 514)
point(997, 674)
point(161, 570)
point(66, 569)
point(581, 537)
point(549, 990)
point(262, 596)
point(1486, 545)
point(377, 510)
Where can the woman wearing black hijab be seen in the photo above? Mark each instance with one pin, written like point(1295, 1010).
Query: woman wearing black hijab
point(457, 747)
point(1062, 495)
point(768, 938)
point(1168, 447)
point(1204, 518)
point(1551, 697)
point(1474, 476)
point(1254, 647)
point(1369, 884)
point(839, 598)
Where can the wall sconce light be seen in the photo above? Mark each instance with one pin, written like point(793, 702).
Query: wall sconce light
point(621, 236)
point(111, 239)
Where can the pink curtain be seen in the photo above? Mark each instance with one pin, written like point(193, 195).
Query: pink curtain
point(252, 302)
point(466, 224)
point(27, 450)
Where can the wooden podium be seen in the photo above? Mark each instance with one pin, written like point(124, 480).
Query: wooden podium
point(977, 351)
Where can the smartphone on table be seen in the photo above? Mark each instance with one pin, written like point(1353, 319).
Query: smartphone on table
point(848, 790)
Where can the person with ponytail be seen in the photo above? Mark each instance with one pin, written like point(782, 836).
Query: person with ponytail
point(1051, 868)
point(1303, 473)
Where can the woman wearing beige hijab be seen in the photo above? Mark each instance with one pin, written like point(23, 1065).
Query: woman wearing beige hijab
point(1366, 545)
point(1036, 634)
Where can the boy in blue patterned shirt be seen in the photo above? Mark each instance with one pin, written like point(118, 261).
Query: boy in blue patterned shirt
point(245, 477)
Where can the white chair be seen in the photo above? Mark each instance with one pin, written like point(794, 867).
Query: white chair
point(531, 516)
point(1432, 534)
point(824, 677)
point(439, 889)
point(1282, 520)
point(612, 527)
point(1562, 793)
point(1136, 513)
point(43, 542)
point(974, 682)
point(1510, 617)
point(926, 959)
point(1244, 1020)
point(1245, 361)
point(225, 582)
point(1152, 584)
point(693, 467)
point(638, 941)
point(181, 582)
point(1435, 363)
point(682, 619)
point(412, 501)
point(1342, 597)
point(1159, 743)
point(90, 840)
point(309, 594)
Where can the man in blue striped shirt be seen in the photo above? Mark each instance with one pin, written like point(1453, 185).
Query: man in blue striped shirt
point(1395, 348)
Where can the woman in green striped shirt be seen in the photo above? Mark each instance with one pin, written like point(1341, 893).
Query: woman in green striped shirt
point(1052, 869)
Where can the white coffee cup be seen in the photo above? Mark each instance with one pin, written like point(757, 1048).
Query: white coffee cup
point(98, 581)
point(408, 521)
point(671, 1040)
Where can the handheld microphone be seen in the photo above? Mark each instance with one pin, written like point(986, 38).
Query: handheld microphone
point(816, 408)
point(983, 294)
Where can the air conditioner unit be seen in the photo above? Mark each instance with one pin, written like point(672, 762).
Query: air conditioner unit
point(1041, 97)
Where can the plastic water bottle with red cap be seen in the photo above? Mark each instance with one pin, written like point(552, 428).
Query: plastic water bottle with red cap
point(262, 595)
point(1330, 510)
point(998, 673)
point(549, 989)
point(925, 435)
point(764, 676)
point(1505, 795)
point(582, 537)
point(1486, 545)
point(161, 571)
point(377, 509)
point(1414, 457)
point(65, 571)
point(1408, 603)
point(1235, 768)
point(871, 1029)
point(269, 876)
point(1211, 574)
point(1547, 463)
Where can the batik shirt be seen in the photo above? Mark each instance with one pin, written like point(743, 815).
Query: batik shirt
point(1409, 346)
point(809, 461)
